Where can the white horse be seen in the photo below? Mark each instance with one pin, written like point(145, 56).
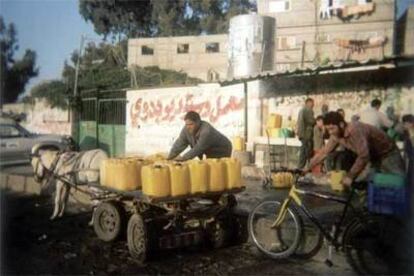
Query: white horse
point(74, 167)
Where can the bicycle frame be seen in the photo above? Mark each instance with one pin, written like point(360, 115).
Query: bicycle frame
point(295, 195)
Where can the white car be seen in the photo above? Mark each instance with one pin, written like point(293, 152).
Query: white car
point(16, 142)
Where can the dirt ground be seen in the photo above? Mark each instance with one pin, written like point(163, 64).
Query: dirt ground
point(31, 244)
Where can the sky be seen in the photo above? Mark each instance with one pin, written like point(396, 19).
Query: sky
point(53, 29)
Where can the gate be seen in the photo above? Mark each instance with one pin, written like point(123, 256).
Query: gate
point(102, 121)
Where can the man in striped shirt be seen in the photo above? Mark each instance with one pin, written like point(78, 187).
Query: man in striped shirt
point(369, 143)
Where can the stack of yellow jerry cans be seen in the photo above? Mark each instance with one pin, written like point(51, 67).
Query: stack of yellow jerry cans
point(122, 174)
point(161, 178)
point(274, 124)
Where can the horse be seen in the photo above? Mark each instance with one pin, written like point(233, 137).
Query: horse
point(65, 169)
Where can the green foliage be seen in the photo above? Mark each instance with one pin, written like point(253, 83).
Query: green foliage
point(15, 74)
point(154, 76)
point(148, 18)
point(103, 67)
point(56, 92)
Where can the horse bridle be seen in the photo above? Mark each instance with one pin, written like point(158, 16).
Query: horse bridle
point(47, 172)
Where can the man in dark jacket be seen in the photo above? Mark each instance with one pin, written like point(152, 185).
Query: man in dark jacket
point(306, 121)
point(202, 137)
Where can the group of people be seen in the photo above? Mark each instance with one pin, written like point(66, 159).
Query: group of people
point(350, 146)
point(368, 139)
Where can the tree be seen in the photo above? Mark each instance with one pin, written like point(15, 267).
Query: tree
point(56, 92)
point(148, 18)
point(15, 74)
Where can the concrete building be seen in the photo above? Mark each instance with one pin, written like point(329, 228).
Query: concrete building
point(314, 33)
point(308, 34)
point(203, 57)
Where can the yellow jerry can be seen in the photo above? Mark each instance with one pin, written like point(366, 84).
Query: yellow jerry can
point(109, 173)
point(103, 168)
point(274, 132)
point(282, 180)
point(156, 180)
point(127, 176)
point(198, 176)
point(232, 173)
point(336, 178)
point(274, 121)
point(216, 176)
point(180, 179)
point(156, 157)
point(239, 144)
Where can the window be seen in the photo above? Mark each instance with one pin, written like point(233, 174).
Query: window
point(147, 51)
point(183, 48)
point(286, 42)
point(9, 131)
point(212, 47)
point(279, 6)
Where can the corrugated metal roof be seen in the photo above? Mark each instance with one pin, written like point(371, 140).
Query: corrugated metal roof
point(334, 66)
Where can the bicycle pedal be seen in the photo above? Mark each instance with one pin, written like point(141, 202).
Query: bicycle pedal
point(328, 262)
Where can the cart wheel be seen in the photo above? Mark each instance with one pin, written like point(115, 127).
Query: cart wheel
point(108, 221)
point(239, 230)
point(216, 234)
point(137, 238)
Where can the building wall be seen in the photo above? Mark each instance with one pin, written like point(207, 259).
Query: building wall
point(353, 102)
point(197, 62)
point(409, 32)
point(41, 118)
point(303, 38)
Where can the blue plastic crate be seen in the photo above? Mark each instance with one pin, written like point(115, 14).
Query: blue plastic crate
point(388, 200)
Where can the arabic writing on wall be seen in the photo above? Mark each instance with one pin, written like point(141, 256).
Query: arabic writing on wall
point(157, 110)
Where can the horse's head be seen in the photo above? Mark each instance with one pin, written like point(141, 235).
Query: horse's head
point(41, 160)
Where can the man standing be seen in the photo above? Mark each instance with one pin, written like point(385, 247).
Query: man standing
point(368, 143)
point(374, 117)
point(202, 138)
point(306, 121)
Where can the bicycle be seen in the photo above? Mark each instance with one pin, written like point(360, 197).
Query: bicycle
point(364, 237)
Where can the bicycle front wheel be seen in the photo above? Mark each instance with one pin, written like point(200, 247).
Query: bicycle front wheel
point(279, 242)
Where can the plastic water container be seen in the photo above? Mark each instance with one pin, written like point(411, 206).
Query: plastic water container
point(336, 178)
point(232, 173)
point(282, 180)
point(179, 179)
point(216, 175)
point(274, 132)
point(156, 180)
point(108, 172)
point(388, 194)
point(122, 174)
point(198, 176)
point(239, 144)
point(103, 168)
point(274, 121)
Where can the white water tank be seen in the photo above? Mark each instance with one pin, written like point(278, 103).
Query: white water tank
point(251, 45)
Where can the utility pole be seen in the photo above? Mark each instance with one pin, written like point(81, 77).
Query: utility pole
point(74, 113)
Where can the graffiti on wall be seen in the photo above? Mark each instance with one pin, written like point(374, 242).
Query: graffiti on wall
point(155, 117)
point(401, 100)
point(145, 110)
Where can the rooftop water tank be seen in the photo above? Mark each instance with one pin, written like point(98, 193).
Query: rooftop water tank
point(251, 45)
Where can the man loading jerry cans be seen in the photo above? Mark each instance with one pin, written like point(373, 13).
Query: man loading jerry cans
point(202, 137)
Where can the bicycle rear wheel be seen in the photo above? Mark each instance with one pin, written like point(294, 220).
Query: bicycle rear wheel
point(276, 243)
